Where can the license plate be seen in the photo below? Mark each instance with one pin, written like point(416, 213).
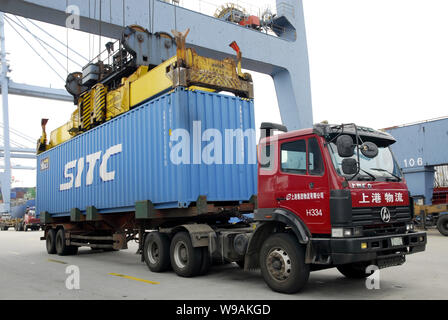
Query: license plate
point(396, 241)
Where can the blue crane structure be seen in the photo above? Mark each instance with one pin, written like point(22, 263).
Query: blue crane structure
point(419, 148)
point(284, 56)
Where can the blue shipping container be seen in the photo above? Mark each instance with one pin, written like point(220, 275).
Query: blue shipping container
point(160, 151)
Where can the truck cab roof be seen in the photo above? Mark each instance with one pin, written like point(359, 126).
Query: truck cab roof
point(328, 131)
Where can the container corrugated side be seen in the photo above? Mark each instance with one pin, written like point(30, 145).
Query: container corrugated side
point(142, 169)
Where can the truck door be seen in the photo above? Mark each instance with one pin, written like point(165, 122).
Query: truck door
point(302, 183)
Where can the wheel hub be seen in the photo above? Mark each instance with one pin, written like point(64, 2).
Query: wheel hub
point(180, 254)
point(279, 264)
point(153, 253)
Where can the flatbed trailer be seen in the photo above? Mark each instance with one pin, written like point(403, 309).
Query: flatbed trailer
point(435, 215)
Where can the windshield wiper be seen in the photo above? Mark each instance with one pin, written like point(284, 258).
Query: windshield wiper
point(368, 173)
point(373, 178)
point(384, 170)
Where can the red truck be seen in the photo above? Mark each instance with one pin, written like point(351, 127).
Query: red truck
point(329, 196)
point(339, 192)
point(30, 221)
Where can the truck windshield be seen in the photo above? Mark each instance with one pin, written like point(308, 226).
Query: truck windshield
point(382, 167)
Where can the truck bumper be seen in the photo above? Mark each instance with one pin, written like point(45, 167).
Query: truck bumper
point(386, 250)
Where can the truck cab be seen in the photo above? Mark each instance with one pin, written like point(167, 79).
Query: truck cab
point(30, 221)
point(340, 194)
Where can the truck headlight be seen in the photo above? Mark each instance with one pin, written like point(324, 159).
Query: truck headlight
point(337, 232)
point(409, 226)
point(345, 232)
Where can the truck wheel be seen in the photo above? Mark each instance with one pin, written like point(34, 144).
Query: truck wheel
point(156, 251)
point(61, 248)
point(51, 241)
point(442, 224)
point(185, 259)
point(206, 262)
point(282, 263)
point(354, 270)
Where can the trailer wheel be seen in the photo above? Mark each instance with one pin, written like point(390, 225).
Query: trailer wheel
point(442, 224)
point(282, 263)
point(61, 248)
point(51, 241)
point(156, 251)
point(185, 259)
point(354, 270)
point(206, 262)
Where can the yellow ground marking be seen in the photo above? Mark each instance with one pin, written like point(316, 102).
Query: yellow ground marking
point(57, 261)
point(132, 278)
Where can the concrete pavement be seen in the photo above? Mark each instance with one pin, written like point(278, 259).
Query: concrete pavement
point(28, 272)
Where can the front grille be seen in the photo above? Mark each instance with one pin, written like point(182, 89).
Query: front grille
point(370, 220)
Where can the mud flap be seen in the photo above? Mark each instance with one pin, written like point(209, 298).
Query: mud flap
point(120, 241)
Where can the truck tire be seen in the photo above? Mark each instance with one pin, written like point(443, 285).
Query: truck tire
point(51, 241)
point(185, 259)
point(61, 248)
point(206, 262)
point(442, 224)
point(282, 263)
point(156, 251)
point(354, 270)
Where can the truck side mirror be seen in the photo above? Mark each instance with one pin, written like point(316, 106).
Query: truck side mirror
point(345, 146)
point(349, 166)
point(369, 149)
